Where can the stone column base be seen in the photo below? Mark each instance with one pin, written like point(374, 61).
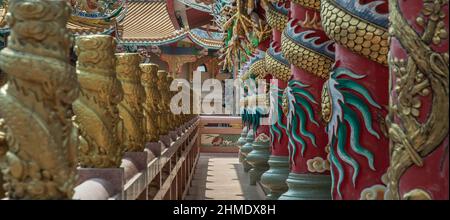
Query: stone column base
point(275, 178)
point(258, 159)
point(308, 187)
point(245, 150)
point(241, 156)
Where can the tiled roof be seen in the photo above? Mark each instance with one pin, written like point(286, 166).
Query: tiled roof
point(84, 29)
point(148, 22)
point(204, 39)
point(201, 5)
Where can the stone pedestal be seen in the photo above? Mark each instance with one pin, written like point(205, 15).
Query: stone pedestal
point(258, 158)
point(247, 148)
point(241, 141)
point(275, 178)
point(307, 187)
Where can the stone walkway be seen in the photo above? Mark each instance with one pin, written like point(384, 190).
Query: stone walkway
point(220, 176)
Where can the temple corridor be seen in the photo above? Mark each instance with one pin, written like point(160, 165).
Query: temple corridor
point(220, 176)
point(224, 100)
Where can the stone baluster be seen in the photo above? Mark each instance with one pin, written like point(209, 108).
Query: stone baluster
point(41, 159)
point(130, 109)
point(355, 98)
point(418, 107)
point(96, 110)
point(311, 54)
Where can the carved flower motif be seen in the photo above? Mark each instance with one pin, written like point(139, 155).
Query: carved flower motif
point(317, 165)
point(262, 138)
point(375, 192)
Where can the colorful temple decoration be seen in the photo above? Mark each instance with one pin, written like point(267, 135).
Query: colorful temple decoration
point(96, 16)
point(311, 53)
point(278, 67)
point(42, 148)
point(356, 97)
point(418, 108)
point(336, 99)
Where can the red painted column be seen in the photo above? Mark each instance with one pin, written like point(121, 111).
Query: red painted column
point(355, 98)
point(418, 115)
point(311, 54)
point(275, 178)
point(280, 140)
point(259, 156)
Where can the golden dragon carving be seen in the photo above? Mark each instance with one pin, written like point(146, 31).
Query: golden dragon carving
point(41, 159)
point(163, 105)
point(130, 109)
point(424, 73)
point(97, 114)
point(149, 80)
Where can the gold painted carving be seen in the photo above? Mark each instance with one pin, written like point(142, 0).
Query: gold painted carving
point(312, 4)
point(326, 106)
point(172, 118)
point(97, 115)
point(275, 19)
point(131, 107)
point(305, 58)
point(163, 105)
point(424, 73)
point(149, 79)
point(258, 69)
point(278, 69)
point(355, 34)
point(40, 162)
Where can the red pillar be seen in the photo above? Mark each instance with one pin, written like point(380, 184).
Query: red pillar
point(355, 98)
point(418, 111)
point(311, 54)
point(275, 178)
